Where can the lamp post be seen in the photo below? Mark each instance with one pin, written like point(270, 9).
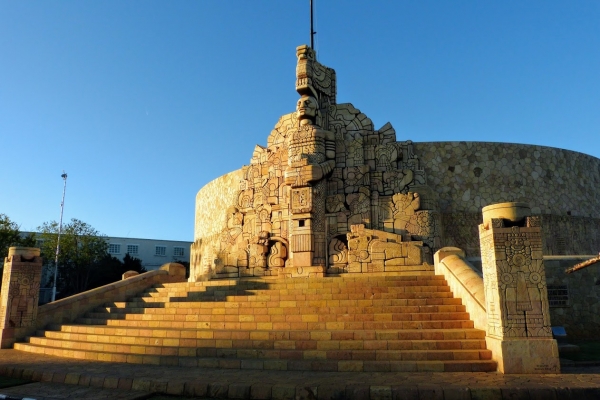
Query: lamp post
point(62, 207)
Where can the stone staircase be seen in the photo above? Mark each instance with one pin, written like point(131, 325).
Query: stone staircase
point(354, 322)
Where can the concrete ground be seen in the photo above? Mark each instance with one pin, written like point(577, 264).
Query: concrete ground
point(65, 378)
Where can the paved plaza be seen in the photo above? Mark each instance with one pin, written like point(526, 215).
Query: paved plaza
point(63, 378)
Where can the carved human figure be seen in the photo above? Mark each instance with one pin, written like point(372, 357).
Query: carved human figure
point(259, 249)
point(308, 156)
point(306, 110)
point(235, 220)
point(405, 206)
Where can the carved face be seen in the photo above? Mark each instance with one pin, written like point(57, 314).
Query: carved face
point(306, 108)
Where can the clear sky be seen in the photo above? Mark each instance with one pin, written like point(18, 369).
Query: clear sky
point(144, 102)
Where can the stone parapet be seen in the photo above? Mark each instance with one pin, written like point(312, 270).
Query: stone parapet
point(20, 292)
point(518, 328)
point(70, 308)
point(464, 280)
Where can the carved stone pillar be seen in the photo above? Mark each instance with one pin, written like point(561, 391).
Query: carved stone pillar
point(20, 292)
point(518, 327)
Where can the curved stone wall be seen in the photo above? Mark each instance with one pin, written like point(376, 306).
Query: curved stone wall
point(472, 175)
point(562, 186)
point(211, 203)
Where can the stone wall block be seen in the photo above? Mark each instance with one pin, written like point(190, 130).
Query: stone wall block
point(20, 292)
point(518, 329)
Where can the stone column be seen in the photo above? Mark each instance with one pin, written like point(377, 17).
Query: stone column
point(20, 292)
point(516, 299)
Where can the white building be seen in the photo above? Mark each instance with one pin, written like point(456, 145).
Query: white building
point(152, 252)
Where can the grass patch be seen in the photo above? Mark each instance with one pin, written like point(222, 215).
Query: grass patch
point(6, 381)
point(589, 350)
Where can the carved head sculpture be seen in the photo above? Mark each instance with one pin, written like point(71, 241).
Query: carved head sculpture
point(306, 109)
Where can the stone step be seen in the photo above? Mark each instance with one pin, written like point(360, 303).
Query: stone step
point(254, 309)
point(331, 284)
point(316, 364)
point(319, 340)
point(374, 278)
point(363, 323)
point(292, 292)
point(362, 295)
point(440, 298)
point(279, 315)
point(232, 322)
point(389, 334)
point(359, 299)
point(305, 352)
point(333, 288)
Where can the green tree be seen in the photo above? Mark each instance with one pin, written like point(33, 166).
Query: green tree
point(110, 269)
point(11, 236)
point(133, 264)
point(82, 248)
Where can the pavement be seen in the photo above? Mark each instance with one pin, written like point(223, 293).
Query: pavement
point(66, 378)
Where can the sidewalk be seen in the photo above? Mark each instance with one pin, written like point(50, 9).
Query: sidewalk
point(140, 380)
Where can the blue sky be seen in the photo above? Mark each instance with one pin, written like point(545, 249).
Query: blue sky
point(144, 102)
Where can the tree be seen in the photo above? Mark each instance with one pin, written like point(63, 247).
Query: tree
point(82, 248)
point(11, 236)
point(110, 269)
point(133, 264)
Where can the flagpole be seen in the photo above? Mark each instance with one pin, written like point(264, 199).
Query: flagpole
point(312, 32)
point(62, 207)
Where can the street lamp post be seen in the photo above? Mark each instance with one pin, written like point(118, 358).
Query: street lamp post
point(62, 207)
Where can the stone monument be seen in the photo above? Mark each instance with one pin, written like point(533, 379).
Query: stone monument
point(518, 317)
point(20, 292)
point(324, 169)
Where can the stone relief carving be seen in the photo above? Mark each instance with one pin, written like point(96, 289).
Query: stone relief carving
point(324, 169)
point(514, 279)
point(371, 250)
point(20, 289)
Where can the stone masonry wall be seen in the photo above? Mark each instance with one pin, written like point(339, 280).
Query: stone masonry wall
point(574, 298)
point(212, 202)
point(563, 234)
point(560, 185)
point(472, 175)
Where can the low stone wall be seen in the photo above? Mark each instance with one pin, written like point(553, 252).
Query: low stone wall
point(574, 298)
point(563, 234)
point(464, 280)
point(562, 186)
point(70, 308)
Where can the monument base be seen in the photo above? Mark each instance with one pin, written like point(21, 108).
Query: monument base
point(7, 338)
point(302, 272)
point(525, 356)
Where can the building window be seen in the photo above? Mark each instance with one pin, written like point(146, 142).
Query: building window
point(160, 251)
point(114, 248)
point(133, 249)
point(178, 251)
point(39, 243)
point(558, 295)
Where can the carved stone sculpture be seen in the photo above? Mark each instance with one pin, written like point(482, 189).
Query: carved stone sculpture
point(20, 292)
point(518, 315)
point(324, 168)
